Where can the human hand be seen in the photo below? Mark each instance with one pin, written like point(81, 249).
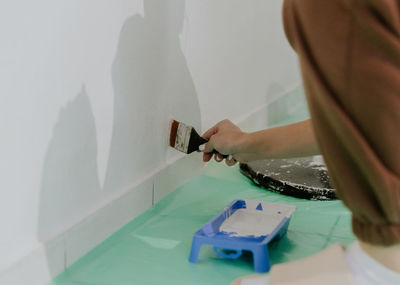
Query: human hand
point(223, 140)
point(226, 139)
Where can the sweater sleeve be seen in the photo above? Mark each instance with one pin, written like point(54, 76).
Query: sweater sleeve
point(349, 53)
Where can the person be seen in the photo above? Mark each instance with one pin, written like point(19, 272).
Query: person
point(349, 54)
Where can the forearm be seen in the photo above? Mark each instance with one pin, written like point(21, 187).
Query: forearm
point(293, 140)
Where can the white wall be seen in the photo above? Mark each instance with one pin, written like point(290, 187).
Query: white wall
point(87, 89)
point(238, 56)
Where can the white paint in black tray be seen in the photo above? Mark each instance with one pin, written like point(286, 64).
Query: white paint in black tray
point(305, 177)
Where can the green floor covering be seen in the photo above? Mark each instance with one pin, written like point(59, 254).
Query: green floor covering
point(154, 248)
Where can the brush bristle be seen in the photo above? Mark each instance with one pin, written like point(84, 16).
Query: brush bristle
point(174, 130)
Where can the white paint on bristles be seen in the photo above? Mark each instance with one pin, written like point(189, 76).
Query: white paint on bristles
point(183, 137)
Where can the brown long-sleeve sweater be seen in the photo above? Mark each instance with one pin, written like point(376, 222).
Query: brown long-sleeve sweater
point(349, 52)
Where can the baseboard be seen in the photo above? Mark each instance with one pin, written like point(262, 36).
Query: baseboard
point(51, 258)
point(46, 261)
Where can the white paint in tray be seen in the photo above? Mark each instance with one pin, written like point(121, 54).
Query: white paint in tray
point(252, 222)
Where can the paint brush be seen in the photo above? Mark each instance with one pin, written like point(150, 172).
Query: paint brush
point(185, 138)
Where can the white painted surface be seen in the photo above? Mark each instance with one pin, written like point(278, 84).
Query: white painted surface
point(238, 56)
point(87, 90)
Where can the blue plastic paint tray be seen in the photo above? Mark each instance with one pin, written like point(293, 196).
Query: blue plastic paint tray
point(244, 225)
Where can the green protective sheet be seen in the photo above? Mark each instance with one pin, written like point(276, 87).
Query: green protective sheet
point(154, 248)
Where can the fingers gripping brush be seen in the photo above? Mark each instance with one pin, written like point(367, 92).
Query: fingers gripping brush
point(185, 138)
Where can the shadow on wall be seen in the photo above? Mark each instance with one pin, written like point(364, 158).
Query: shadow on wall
point(69, 177)
point(152, 84)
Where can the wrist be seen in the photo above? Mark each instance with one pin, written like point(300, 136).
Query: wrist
point(241, 143)
point(255, 144)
